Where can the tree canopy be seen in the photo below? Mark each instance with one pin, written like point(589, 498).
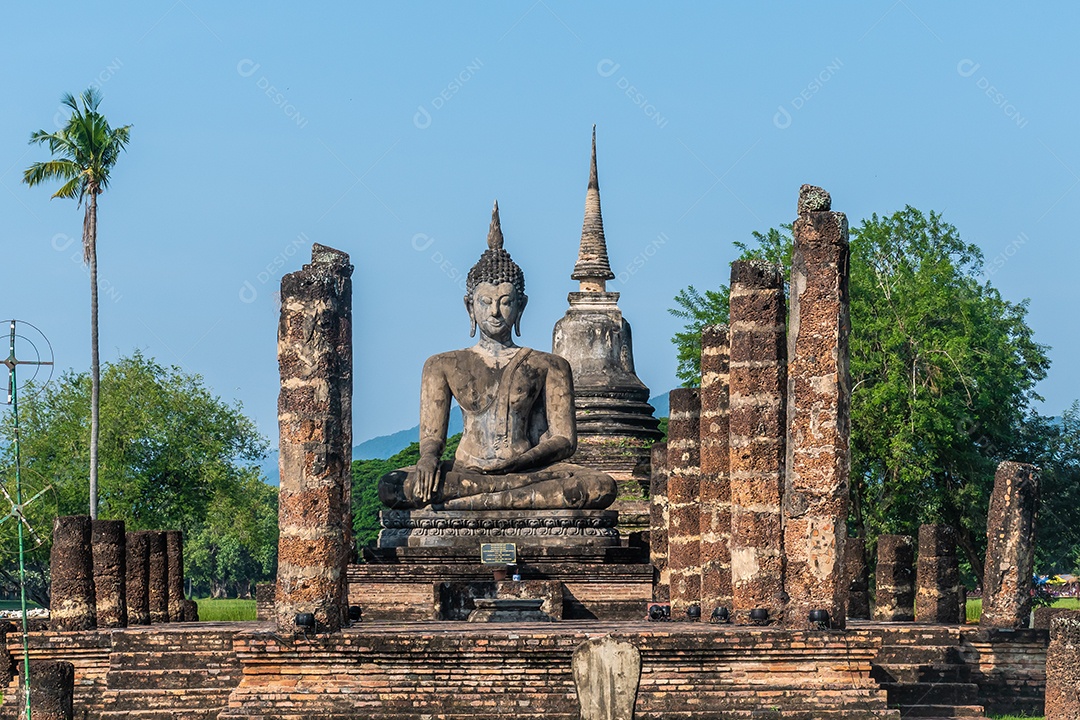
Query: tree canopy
point(943, 373)
point(173, 456)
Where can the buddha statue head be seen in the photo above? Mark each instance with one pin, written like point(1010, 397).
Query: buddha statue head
point(495, 289)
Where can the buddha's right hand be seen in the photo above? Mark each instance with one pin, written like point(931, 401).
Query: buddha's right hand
point(427, 478)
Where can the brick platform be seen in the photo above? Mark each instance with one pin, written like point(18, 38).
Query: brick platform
point(402, 671)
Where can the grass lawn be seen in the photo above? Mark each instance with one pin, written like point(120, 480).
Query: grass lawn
point(974, 608)
point(211, 610)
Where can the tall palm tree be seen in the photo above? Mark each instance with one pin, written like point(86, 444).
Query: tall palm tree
point(84, 152)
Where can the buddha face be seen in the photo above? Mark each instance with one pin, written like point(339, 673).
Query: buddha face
point(496, 309)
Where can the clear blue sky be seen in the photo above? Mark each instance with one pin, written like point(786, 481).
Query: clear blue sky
point(387, 130)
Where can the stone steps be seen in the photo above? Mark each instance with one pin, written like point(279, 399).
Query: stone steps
point(924, 674)
point(942, 712)
point(903, 695)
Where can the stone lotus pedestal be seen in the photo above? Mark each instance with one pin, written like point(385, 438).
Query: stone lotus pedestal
point(468, 529)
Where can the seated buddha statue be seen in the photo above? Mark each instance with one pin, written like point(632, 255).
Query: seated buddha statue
point(518, 410)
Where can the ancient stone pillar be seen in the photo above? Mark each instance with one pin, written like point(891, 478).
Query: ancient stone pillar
point(314, 414)
point(159, 577)
point(684, 529)
point(71, 566)
point(137, 585)
point(1063, 668)
point(606, 674)
point(658, 522)
point(895, 596)
point(715, 483)
point(818, 413)
point(110, 562)
point(758, 388)
point(52, 690)
point(937, 576)
point(1010, 546)
point(174, 555)
point(858, 579)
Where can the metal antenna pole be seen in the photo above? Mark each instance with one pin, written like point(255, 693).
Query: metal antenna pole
point(17, 506)
point(13, 398)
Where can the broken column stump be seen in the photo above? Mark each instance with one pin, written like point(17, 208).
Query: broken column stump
point(158, 588)
point(1063, 668)
point(758, 388)
point(606, 673)
point(658, 522)
point(71, 566)
point(109, 548)
point(895, 579)
point(818, 413)
point(137, 584)
point(314, 416)
point(683, 487)
point(715, 482)
point(937, 576)
point(1010, 546)
point(174, 556)
point(52, 690)
point(858, 579)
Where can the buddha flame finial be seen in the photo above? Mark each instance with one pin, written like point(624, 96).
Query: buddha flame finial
point(495, 236)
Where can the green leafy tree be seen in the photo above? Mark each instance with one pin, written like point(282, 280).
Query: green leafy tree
point(84, 152)
point(711, 308)
point(173, 455)
point(943, 372)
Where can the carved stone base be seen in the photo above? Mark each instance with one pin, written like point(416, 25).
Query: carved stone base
point(468, 529)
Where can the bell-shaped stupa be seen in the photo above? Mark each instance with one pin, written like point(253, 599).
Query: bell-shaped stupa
point(615, 423)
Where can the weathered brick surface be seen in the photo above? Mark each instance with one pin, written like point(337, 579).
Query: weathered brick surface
point(659, 517)
point(1009, 666)
point(72, 571)
point(458, 671)
point(159, 577)
point(715, 482)
point(937, 576)
point(137, 583)
point(264, 601)
point(818, 448)
point(314, 414)
point(393, 592)
point(1063, 668)
point(857, 579)
point(684, 500)
point(174, 556)
point(895, 579)
point(110, 570)
point(1010, 546)
point(757, 391)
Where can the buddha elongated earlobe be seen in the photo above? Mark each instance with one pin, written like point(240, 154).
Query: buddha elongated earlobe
point(472, 330)
point(517, 326)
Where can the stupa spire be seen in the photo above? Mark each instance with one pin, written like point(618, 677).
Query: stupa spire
point(593, 269)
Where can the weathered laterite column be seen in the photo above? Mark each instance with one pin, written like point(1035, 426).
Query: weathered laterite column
point(314, 414)
point(1010, 546)
point(818, 412)
point(71, 566)
point(715, 482)
point(159, 577)
point(758, 388)
point(937, 576)
point(110, 562)
point(658, 522)
point(52, 690)
point(137, 585)
point(895, 591)
point(684, 530)
point(1063, 668)
point(174, 555)
point(858, 579)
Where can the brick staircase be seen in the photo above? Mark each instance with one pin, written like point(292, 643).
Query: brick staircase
point(924, 674)
point(166, 672)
